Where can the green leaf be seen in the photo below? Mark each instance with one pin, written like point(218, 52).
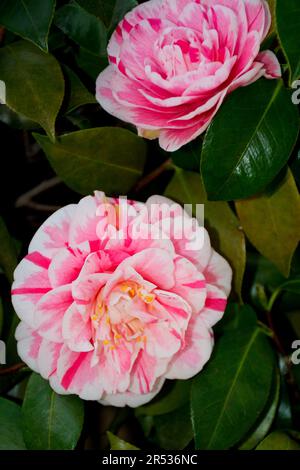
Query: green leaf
point(107, 158)
point(174, 430)
point(8, 255)
point(34, 83)
point(288, 25)
point(92, 65)
point(249, 141)
point(188, 157)
point(222, 224)
point(110, 11)
point(176, 398)
point(229, 395)
point(265, 422)
point(118, 444)
point(10, 426)
point(30, 19)
point(50, 421)
point(272, 222)
point(78, 94)
point(82, 27)
point(278, 440)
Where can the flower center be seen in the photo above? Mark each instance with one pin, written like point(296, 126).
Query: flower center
point(122, 316)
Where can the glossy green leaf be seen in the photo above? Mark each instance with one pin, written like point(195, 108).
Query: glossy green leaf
point(50, 421)
point(229, 395)
point(272, 222)
point(11, 437)
point(106, 158)
point(278, 440)
point(265, 421)
point(34, 83)
point(78, 95)
point(8, 255)
point(174, 430)
point(188, 157)
point(249, 141)
point(118, 444)
point(82, 27)
point(110, 11)
point(92, 65)
point(30, 19)
point(222, 224)
point(176, 398)
point(288, 25)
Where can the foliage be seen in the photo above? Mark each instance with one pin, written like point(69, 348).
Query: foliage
point(245, 169)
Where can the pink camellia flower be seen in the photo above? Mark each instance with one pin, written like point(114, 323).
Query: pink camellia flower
point(172, 63)
point(107, 311)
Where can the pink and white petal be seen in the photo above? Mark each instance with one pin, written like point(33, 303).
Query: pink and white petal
point(85, 220)
point(76, 376)
point(191, 241)
point(132, 399)
point(271, 64)
point(161, 207)
point(48, 357)
point(219, 273)
point(54, 233)
point(66, 266)
point(173, 139)
point(86, 288)
point(28, 345)
point(50, 311)
point(172, 307)
point(77, 330)
point(215, 306)
point(153, 264)
point(199, 346)
point(145, 372)
point(30, 285)
point(163, 341)
point(190, 283)
point(106, 97)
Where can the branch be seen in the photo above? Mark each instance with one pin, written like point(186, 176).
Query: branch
point(152, 176)
point(26, 200)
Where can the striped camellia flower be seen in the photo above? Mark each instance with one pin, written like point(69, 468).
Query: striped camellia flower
point(114, 298)
point(172, 63)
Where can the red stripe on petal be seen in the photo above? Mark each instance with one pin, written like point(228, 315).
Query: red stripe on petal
point(127, 26)
point(196, 285)
point(95, 245)
point(69, 375)
point(155, 23)
point(216, 304)
point(38, 259)
point(30, 290)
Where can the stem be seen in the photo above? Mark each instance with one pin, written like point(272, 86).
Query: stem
point(152, 176)
point(26, 200)
point(12, 369)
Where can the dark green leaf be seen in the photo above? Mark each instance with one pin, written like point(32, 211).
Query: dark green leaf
point(188, 157)
point(10, 426)
point(110, 11)
point(82, 27)
point(266, 419)
point(50, 421)
point(92, 65)
point(222, 224)
point(8, 255)
point(118, 444)
point(107, 158)
point(249, 141)
point(176, 398)
point(278, 440)
point(31, 19)
point(229, 395)
point(34, 83)
point(174, 430)
point(78, 94)
point(272, 222)
point(288, 25)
